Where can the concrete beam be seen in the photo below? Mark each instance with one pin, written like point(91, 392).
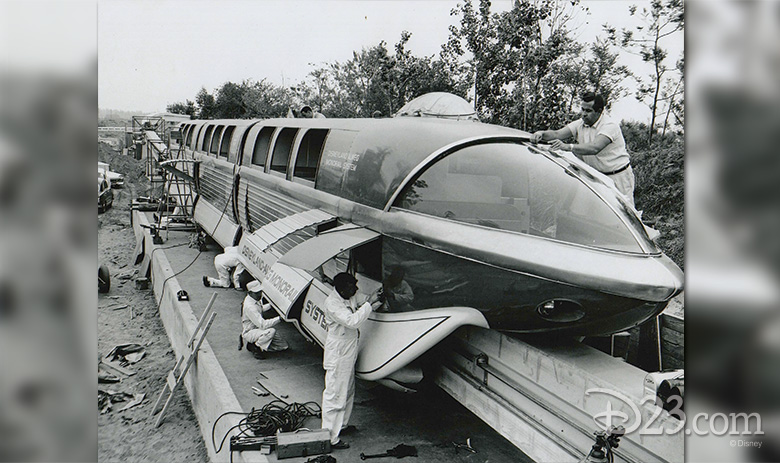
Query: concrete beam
point(207, 386)
point(544, 398)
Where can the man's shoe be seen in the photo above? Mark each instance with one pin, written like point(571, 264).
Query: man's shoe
point(206, 281)
point(340, 445)
point(348, 430)
point(256, 351)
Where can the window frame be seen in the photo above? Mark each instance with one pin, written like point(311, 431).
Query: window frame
point(227, 136)
point(294, 161)
point(216, 138)
point(289, 150)
point(433, 158)
point(207, 138)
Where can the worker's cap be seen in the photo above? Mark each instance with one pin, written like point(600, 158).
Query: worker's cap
point(254, 286)
point(306, 108)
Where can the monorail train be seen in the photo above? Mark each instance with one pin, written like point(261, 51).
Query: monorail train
point(480, 225)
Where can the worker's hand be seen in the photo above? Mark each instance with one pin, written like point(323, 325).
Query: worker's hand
point(375, 297)
point(536, 137)
point(559, 145)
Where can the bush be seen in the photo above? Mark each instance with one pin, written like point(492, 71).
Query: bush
point(660, 187)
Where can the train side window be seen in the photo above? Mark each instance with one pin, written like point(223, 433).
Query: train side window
point(207, 138)
point(194, 137)
point(215, 140)
point(224, 147)
point(309, 153)
point(282, 149)
point(262, 143)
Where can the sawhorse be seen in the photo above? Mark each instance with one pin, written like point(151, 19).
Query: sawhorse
point(172, 382)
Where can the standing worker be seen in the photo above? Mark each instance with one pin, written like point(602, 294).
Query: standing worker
point(343, 316)
point(600, 143)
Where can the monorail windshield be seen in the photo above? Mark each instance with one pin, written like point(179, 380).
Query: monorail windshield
point(508, 187)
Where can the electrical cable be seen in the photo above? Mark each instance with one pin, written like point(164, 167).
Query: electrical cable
point(199, 252)
point(275, 416)
point(176, 274)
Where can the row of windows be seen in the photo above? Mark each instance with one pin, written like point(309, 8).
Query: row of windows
point(217, 141)
point(497, 185)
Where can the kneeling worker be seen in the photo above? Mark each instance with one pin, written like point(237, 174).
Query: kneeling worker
point(230, 270)
point(257, 323)
point(343, 316)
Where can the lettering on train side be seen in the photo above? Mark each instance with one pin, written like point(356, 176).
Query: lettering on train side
point(341, 160)
point(255, 259)
point(316, 314)
point(281, 285)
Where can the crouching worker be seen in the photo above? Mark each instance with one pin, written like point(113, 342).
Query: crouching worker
point(231, 271)
point(343, 315)
point(257, 323)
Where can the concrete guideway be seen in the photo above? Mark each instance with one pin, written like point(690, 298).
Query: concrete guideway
point(544, 398)
point(206, 384)
point(221, 378)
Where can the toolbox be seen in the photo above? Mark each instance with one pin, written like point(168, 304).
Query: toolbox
point(302, 443)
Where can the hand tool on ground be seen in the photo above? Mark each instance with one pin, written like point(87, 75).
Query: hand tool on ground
point(467, 446)
point(259, 392)
point(399, 451)
point(262, 390)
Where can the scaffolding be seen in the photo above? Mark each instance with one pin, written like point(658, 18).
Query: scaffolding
point(172, 177)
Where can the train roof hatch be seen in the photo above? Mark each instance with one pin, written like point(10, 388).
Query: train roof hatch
point(289, 277)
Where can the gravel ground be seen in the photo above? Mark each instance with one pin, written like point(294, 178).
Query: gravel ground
point(127, 315)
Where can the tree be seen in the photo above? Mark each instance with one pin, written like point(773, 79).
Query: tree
point(265, 100)
point(602, 74)
point(660, 21)
point(521, 60)
point(229, 102)
point(188, 108)
point(206, 104)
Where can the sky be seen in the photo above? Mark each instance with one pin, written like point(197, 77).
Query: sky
point(153, 53)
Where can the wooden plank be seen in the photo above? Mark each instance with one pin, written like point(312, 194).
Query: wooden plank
point(672, 322)
point(117, 367)
point(202, 319)
point(190, 361)
point(171, 379)
point(672, 337)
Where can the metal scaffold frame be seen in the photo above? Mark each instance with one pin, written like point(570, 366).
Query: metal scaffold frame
point(172, 177)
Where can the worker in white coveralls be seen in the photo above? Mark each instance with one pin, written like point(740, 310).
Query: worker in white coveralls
point(226, 262)
point(257, 324)
point(343, 316)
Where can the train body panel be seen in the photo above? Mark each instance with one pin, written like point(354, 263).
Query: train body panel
point(476, 220)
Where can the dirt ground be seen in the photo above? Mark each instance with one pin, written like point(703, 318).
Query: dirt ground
point(127, 315)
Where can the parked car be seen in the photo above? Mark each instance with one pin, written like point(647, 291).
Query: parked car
point(105, 195)
point(115, 179)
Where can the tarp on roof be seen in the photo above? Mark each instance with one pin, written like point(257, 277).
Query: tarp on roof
point(439, 104)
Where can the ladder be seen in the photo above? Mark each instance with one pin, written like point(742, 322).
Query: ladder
point(172, 381)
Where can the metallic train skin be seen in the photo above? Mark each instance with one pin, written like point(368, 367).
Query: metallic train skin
point(507, 234)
